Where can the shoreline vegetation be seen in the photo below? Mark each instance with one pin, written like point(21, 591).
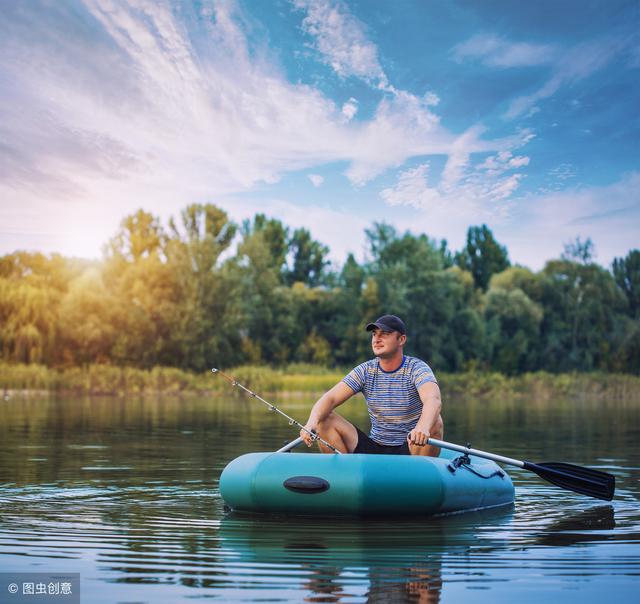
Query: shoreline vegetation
point(265, 294)
point(97, 379)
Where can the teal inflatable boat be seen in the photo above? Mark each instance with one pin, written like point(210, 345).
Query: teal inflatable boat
point(363, 485)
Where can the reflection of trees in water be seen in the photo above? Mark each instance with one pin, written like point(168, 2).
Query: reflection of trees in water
point(151, 434)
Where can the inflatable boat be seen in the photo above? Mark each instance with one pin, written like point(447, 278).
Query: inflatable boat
point(318, 484)
point(460, 479)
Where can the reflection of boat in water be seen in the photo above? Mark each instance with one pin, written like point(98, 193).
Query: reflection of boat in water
point(342, 559)
point(363, 485)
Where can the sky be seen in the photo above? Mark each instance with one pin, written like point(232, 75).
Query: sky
point(432, 116)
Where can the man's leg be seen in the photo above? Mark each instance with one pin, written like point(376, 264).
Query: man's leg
point(340, 433)
point(436, 431)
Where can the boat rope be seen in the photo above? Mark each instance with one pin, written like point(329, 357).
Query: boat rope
point(292, 422)
point(464, 461)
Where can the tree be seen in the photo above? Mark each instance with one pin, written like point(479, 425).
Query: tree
point(207, 323)
point(482, 256)
point(626, 272)
point(275, 237)
point(31, 289)
point(513, 330)
point(309, 259)
point(411, 282)
point(346, 317)
point(88, 321)
point(582, 252)
point(582, 306)
point(519, 277)
point(140, 235)
point(145, 292)
point(265, 307)
point(28, 324)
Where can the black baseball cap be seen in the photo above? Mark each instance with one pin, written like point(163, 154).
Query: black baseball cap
point(388, 323)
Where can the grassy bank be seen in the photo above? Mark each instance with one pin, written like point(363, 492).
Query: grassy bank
point(121, 381)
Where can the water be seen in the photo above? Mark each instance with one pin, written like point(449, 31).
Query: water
point(126, 494)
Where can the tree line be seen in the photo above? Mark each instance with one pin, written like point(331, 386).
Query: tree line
point(205, 291)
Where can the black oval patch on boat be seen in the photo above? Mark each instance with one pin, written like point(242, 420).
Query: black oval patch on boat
point(306, 484)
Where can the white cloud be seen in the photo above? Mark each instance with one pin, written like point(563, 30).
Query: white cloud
point(172, 105)
point(459, 158)
point(567, 65)
point(341, 40)
point(504, 160)
point(543, 223)
point(316, 179)
point(571, 66)
point(519, 162)
point(469, 191)
point(350, 108)
point(562, 172)
point(403, 126)
point(142, 104)
point(431, 98)
point(534, 228)
point(412, 189)
point(497, 52)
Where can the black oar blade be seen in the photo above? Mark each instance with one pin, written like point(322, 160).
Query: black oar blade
point(586, 481)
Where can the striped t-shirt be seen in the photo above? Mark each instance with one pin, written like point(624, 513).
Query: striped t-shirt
point(392, 396)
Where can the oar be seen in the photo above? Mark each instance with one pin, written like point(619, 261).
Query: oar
point(586, 481)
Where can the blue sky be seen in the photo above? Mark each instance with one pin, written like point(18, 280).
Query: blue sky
point(432, 116)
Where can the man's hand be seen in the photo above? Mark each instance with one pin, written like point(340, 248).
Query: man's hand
point(418, 436)
point(308, 439)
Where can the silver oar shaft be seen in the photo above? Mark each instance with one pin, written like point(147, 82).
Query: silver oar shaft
point(292, 445)
point(498, 458)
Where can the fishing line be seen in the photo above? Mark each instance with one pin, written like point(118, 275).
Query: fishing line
point(292, 422)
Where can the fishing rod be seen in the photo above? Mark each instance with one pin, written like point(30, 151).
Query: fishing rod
point(292, 422)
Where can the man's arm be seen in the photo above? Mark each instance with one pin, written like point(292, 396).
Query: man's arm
point(324, 406)
point(431, 407)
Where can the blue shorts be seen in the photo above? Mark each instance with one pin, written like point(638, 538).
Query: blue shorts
point(367, 445)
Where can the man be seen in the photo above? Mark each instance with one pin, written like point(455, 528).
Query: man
point(402, 396)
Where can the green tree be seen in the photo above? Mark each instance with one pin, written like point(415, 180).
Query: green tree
point(582, 305)
point(626, 272)
point(32, 286)
point(582, 252)
point(28, 322)
point(482, 256)
point(275, 240)
point(206, 321)
point(519, 277)
point(88, 321)
point(145, 292)
point(265, 306)
point(309, 259)
point(513, 330)
point(140, 235)
point(347, 316)
point(412, 283)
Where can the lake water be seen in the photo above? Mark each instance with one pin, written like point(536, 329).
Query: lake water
point(125, 492)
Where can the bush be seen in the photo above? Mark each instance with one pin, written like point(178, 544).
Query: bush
point(112, 380)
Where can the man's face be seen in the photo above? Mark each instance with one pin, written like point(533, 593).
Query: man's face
point(385, 344)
